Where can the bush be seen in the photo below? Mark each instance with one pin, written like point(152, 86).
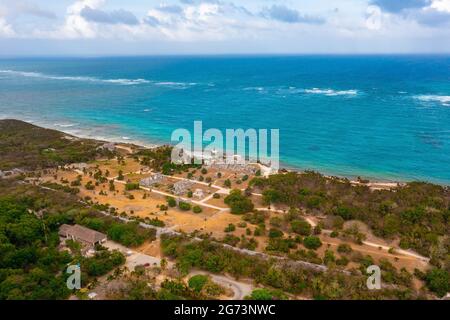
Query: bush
point(276, 222)
point(230, 228)
point(129, 234)
point(231, 240)
point(261, 294)
point(242, 225)
point(197, 282)
point(342, 261)
point(238, 202)
point(312, 242)
point(216, 196)
point(103, 262)
point(89, 186)
point(132, 186)
point(275, 233)
point(171, 202)
point(344, 248)
point(438, 281)
point(156, 222)
point(301, 227)
point(184, 206)
point(197, 209)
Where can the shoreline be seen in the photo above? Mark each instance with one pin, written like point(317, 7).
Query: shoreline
point(373, 182)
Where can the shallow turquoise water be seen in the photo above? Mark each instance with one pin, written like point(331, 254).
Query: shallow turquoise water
point(386, 117)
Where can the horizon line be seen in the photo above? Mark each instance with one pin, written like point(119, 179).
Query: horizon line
point(318, 54)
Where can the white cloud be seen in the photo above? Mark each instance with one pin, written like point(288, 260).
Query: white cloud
point(75, 25)
point(6, 30)
point(374, 18)
point(441, 5)
point(353, 25)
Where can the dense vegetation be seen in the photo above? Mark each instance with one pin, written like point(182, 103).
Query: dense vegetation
point(275, 274)
point(159, 159)
point(29, 259)
point(238, 202)
point(128, 234)
point(418, 213)
point(25, 146)
point(31, 267)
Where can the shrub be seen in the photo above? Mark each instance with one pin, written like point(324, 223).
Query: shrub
point(342, 261)
point(171, 202)
point(230, 228)
point(438, 281)
point(275, 233)
point(301, 227)
point(197, 209)
point(261, 294)
point(156, 222)
point(276, 222)
point(89, 186)
point(132, 186)
point(242, 225)
point(197, 282)
point(344, 248)
point(184, 206)
point(238, 203)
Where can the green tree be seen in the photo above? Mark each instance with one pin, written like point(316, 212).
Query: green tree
point(312, 242)
point(197, 282)
point(238, 202)
point(438, 281)
point(171, 202)
point(261, 294)
point(301, 227)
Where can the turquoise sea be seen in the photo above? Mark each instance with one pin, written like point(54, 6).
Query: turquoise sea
point(383, 117)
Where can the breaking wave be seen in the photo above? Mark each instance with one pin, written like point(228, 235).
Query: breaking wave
point(331, 92)
point(444, 100)
point(74, 78)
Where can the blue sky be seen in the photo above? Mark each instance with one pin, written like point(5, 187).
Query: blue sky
point(119, 27)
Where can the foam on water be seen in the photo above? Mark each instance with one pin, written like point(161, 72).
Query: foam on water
point(75, 78)
point(444, 100)
point(331, 92)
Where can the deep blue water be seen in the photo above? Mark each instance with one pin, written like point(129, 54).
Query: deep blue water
point(385, 117)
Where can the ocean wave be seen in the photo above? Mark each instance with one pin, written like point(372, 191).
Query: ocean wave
point(176, 85)
point(331, 92)
point(444, 100)
point(65, 125)
point(257, 89)
point(75, 78)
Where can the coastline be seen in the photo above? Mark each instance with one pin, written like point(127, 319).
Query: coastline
point(374, 182)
